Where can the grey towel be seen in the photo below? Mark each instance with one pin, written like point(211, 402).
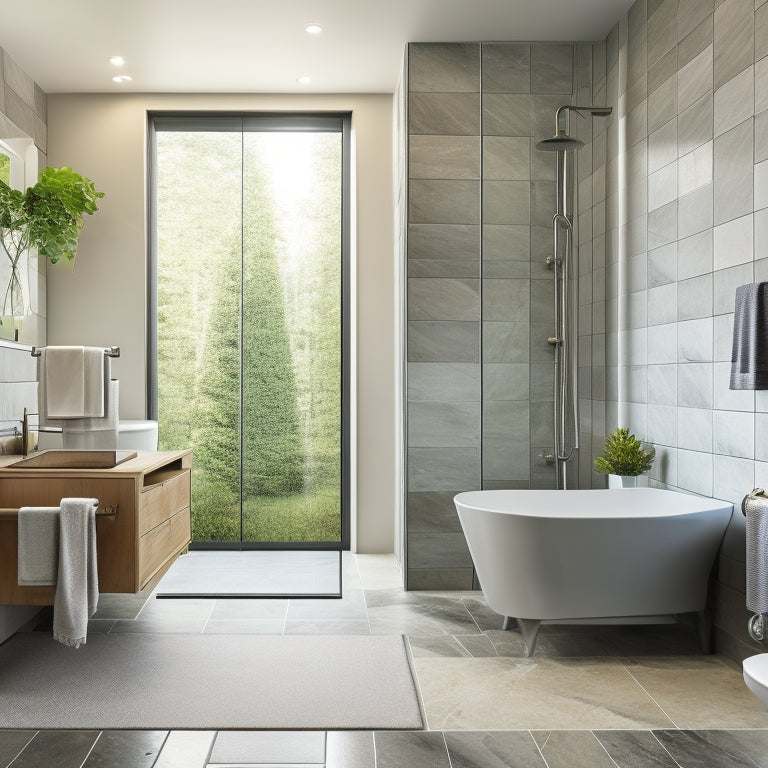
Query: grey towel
point(749, 358)
point(755, 508)
point(77, 589)
point(38, 551)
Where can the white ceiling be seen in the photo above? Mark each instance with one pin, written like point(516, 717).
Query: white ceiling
point(261, 47)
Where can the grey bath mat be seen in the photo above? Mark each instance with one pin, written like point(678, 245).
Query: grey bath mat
point(214, 682)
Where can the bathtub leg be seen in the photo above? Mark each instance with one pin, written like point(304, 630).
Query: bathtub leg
point(705, 630)
point(529, 629)
point(510, 622)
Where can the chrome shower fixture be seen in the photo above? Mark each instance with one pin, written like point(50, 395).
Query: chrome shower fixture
point(561, 140)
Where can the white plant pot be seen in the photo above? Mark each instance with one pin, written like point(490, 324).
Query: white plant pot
point(622, 481)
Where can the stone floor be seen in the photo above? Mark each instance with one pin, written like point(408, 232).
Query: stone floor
point(592, 697)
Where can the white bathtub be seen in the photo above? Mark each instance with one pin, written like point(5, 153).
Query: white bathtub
point(624, 555)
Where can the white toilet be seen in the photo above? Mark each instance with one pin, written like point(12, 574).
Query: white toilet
point(132, 434)
point(756, 676)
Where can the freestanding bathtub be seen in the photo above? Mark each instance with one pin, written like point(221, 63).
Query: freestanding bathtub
point(628, 555)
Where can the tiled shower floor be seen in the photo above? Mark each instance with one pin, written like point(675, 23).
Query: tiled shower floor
point(613, 696)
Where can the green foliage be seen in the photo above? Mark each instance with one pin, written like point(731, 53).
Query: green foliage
point(624, 455)
point(5, 168)
point(49, 215)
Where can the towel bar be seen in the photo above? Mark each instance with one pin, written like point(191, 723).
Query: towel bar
point(110, 510)
point(108, 351)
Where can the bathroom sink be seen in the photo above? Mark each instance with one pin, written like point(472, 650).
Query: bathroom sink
point(74, 459)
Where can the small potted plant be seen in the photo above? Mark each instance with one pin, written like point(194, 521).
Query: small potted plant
point(47, 216)
point(624, 458)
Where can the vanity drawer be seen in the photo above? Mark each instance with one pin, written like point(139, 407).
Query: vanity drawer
point(168, 494)
point(161, 543)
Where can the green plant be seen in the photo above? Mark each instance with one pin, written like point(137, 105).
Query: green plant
point(624, 454)
point(47, 216)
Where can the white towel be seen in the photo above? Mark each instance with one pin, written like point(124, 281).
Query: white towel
point(38, 551)
point(74, 381)
point(77, 588)
point(45, 419)
point(95, 433)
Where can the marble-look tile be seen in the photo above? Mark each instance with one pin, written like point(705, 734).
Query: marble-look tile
point(441, 646)
point(506, 68)
point(694, 212)
point(513, 749)
point(635, 749)
point(13, 741)
point(444, 157)
point(734, 101)
point(694, 169)
point(444, 67)
point(662, 146)
point(443, 201)
point(694, 126)
point(428, 616)
point(694, 471)
point(726, 281)
point(572, 749)
point(694, 297)
point(733, 173)
point(443, 469)
point(690, 13)
point(662, 103)
point(695, 79)
point(662, 265)
point(551, 67)
point(443, 342)
point(128, 749)
point(734, 433)
point(477, 646)
point(509, 694)
point(695, 340)
point(506, 381)
point(694, 429)
point(402, 749)
point(683, 689)
point(662, 32)
point(734, 39)
point(695, 41)
point(444, 114)
point(63, 749)
point(716, 749)
point(508, 342)
point(662, 304)
point(506, 158)
point(662, 384)
point(432, 512)
point(695, 388)
point(695, 255)
point(507, 114)
point(506, 202)
point(506, 300)
point(505, 242)
point(444, 382)
point(269, 747)
point(761, 136)
point(349, 749)
point(443, 299)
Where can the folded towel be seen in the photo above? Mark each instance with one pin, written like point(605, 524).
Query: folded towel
point(95, 433)
point(755, 508)
point(74, 381)
point(77, 588)
point(45, 418)
point(749, 358)
point(38, 552)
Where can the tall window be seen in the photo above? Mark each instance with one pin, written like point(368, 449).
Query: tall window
point(248, 288)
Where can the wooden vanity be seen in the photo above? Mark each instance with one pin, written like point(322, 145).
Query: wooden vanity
point(142, 524)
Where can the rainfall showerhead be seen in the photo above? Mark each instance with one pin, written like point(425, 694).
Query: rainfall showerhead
point(561, 141)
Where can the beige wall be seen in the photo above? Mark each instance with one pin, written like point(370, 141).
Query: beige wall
point(103, 300)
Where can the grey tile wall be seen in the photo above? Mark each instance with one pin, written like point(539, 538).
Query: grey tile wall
point(693, 189)
point(479, 305)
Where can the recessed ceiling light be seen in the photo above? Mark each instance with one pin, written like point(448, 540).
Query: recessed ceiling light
point(117, 61)
point(313, 28)
point(304, 79)
point(122, 78)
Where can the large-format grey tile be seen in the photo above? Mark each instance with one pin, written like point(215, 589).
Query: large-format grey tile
point(231, 609)
point(244, 627)
point(444, 114)
point(695, 41)
point(432, 511)
point(694, 80)
point(694, 126)
point(635, 749)
point(444, 67)
point(438, 578)
point(443, 342)
point(506, 242)
point(506, 202)
point(733, 173)
point(128, 749)
point(507, 114)
point(438, 201)
point(63, 749)
point(443, 299)
point(690, 13)
point(444, 241)
point(404, 749)
point(695, 385)
point(734, 38)
point(506, 381)
point(734, 101)
point(13, 741)
point(513, 749)
point(716, 749)
point(695, 255)
point(438, 550)
point(662, 103)
point(508, 342)
point(506, 300)
point(506, 157)
point(572, 749)
point(506, 68)
point(444, 382)
point(444, 157)
point(551, 67)
point(349, 749)
point(694, 212)
point(443, 469)
point(269, 747)
point(662, 31)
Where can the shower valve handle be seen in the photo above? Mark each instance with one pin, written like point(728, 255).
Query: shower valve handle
point(553, 340)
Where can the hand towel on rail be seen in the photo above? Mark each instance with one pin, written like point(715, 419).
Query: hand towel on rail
point(77, 588)
point(749, 357)
point(38, 551)
point(74, 381)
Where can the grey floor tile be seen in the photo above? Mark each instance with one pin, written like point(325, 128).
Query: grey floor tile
point(62, 749)
point(426, 646)
point(327, 627)
point(100, 626)
point(12, 742)
point(477, 645)
point(181, 608)
point(119, 606)
point(186, 749)
point(269, 747)
point(161, 624)
point(484, 617)
point(126, 749)
point(349, 749)
point(351, 606)
point(389, 610)
point(635, 749)
point(406, 749)
point(717, 749)
point(493, 749)
point(572, 749)
point(249, 609)
point(244, 627)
